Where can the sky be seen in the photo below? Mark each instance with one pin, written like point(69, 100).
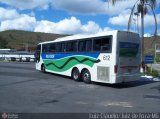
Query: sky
point(72, 16)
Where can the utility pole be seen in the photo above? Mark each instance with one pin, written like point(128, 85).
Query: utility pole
point(155, 53)
point(142, 33)
point(137, 14)
point(134, 24)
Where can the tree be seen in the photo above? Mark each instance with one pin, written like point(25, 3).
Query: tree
point(142, 9)
point(3, 43)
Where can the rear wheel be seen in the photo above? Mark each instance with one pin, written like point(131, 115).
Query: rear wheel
point(76, 74)
point(86, 76)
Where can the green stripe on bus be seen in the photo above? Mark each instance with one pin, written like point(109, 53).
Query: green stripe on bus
point(68, 62)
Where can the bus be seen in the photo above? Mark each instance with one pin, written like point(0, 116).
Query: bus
point(107, 57)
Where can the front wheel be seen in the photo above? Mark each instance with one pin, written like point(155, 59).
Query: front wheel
point(86, 76)
point(43, 68)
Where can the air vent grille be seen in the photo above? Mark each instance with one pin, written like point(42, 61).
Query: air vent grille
point(103, 73)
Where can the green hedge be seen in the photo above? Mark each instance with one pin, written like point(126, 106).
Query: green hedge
point(158, 58)
point(153, 73)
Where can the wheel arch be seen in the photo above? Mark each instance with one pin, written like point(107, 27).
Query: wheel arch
point(84, 70)
point(42, 66)
point(73, 70)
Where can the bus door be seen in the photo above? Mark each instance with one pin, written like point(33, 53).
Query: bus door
point(37, 56)
point(38, 53)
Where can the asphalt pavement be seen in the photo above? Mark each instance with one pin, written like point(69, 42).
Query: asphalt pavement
point(25, 90)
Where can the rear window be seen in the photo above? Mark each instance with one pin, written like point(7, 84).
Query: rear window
point(127, 49)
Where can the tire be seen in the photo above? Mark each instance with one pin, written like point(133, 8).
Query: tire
point(76, 74)
point(43, 68)
point(86, 76)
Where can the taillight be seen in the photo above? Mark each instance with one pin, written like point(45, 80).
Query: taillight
point(115, 69)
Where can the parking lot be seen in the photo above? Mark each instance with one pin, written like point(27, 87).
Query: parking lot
point(25, 90)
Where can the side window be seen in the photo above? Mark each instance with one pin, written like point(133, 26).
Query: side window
point(74, 44)
point(81, 46)
point(68, 46)
point(44, 48)
point(85, 46)
point(71, 46)
point(63, 47)
point(60, 47)
point(38, 47)
point(102, 44)
point(52, 47)
point(89, 45)
point(106, 44)
point(97, 45)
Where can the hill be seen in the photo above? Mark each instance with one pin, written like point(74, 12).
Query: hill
point(22, 40)
point(150, 43)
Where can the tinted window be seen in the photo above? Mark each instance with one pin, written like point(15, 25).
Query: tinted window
point(102, 44)
point(38, 47)
point(97, 45)
point(52, 47)
point(85, 45)
point(60, 47)
point(63, 47)
point(44, 48)
point(127, 49)
point(88, 45)
point(81, 46)
point(71, 46)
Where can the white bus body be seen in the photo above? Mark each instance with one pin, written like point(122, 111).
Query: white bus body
point(108, 57)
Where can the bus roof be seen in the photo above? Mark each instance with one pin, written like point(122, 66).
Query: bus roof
point(82, 36)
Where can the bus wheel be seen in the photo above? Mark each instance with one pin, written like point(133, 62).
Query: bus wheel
point(75, 74)
point(43, 68)
point(86, 76)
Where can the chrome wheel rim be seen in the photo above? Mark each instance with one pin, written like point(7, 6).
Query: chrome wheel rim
point(86, 76)
point(75, 75)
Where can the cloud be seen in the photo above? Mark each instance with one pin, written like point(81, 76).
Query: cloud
point(67, 26)
point(6, 14)
point(11, 19)
point(147, 35)
point(122, 19)
point(149, 20)
point(93, 7)
point(24, 22)
point(27, 4)
point(81, 6)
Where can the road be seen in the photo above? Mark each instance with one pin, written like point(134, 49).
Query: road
point(25, 90)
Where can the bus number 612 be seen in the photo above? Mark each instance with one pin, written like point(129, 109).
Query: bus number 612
point(106, 57)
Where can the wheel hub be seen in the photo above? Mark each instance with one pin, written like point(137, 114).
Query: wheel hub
point(86, 76)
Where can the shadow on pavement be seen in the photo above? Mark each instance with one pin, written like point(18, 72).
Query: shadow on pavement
point(127, 84)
